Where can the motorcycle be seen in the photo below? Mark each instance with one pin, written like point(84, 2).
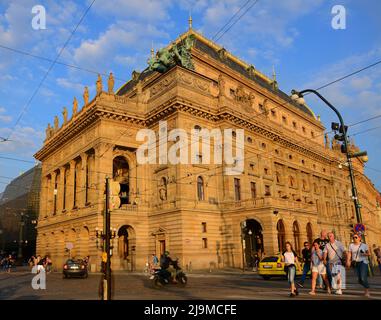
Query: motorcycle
point(162, 277)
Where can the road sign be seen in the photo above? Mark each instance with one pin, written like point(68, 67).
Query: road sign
point(359, 228)
point(104, 257)
point(69, 245)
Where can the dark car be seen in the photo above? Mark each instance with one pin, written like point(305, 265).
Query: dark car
point(75, 268)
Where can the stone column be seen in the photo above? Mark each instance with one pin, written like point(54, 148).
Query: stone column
point(52, 194)
point(103, 167)
point(44, 197)
point(82, 184)
point(70, 187)
point(60, 194)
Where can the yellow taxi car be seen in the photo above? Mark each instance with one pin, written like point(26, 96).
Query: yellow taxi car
point(272, 266)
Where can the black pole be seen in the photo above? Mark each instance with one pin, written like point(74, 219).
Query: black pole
point(349, 161)
point(107, 240)
point(345, 142)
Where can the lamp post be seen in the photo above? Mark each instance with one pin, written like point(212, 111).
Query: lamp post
point(106, 235)
point(297, 96)
point(250, 233)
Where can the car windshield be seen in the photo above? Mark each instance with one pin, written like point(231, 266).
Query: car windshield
point(270, 259)
point(71, 261)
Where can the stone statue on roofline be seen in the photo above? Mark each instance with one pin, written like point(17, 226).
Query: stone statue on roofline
point(86, 96)
point(75, 106)
point(111, 83)
point(48, 131)
point(56, 123)
point(177, 54)
point(64, 114)
point(99, 85)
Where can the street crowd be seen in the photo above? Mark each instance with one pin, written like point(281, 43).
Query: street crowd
point(328, 261)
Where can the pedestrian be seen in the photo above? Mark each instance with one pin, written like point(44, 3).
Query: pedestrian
point(290, 258)
point(318, 267)
point(323, 240)
point(357, 257)
point(31, 261)
point(154, 263)
point(377, 253)
point(9, 263)
point(335, 252)
point(306, 254)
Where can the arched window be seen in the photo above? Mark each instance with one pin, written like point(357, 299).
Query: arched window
point(277, 175)
point(281, 236)
point(291, 181)
point(309, 233)
point(200, 188)
point(163, 189)
point(296, 232)
point(121, 173)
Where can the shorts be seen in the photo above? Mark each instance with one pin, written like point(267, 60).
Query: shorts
point(320, 269)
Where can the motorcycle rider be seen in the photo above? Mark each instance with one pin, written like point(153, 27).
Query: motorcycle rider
point(166, 263)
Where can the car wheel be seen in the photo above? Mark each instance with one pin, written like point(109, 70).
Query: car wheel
point(266, 277)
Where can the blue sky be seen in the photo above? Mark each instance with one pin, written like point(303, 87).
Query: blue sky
point(293, 35)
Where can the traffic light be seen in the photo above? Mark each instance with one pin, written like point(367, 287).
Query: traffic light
point(114, 199)
point(335, 126)
point(343, 148)
point(341, 129)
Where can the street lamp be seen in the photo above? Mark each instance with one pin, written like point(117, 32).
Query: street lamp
point(297, 96)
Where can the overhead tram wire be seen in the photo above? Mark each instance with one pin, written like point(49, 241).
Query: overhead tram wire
point(239, 18)
point(49, 69)
point(227, 23)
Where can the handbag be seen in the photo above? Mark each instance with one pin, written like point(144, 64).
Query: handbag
point(355, 263)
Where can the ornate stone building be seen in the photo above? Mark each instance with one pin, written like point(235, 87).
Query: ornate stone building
point(290, 189)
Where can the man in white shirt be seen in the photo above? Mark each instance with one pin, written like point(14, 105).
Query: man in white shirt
point(335, 252)
point(358, 254)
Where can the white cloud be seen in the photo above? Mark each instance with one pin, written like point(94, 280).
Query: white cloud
point(106, 49)
point(4, 117)
point(69, 84)
point(24, 141)
point(153, 10)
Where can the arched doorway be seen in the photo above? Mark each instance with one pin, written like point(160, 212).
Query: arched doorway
point(281, 235)
point(296, 233)
point(121, 173)
point(309, 233)
point(127, 247)
point(253, 241)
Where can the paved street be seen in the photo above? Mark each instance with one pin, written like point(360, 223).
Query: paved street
point(228, 285)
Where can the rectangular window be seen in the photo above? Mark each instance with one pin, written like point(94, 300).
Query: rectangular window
point(204, 243)
point(253, 188)
point(203, 227)
point(267, 190)
point(237, 188)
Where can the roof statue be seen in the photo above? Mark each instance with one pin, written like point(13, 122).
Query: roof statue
point(111, 83)
point(64, 114)
point(177, 54)
point(99, 85)
point(49, 131)
point(75, 106)
point(56, 123)
point(86, 96)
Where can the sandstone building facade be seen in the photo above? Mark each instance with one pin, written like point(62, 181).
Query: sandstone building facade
point(290, 189)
